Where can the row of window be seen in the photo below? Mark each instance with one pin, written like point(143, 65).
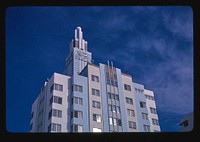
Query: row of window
point(79, 128)
point(79, 88)
point(139, 90)
point(149, 97)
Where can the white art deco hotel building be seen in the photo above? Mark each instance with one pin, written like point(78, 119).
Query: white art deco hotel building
point(92, 98)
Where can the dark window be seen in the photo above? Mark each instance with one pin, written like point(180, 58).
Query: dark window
point(77, 114)
point(57, 87)
point(96, 104)
point(78, 88)
point(129, 101)
point(95, 92)
point(54, 127)
point(130, 112)
point(127, 87)
point(143, 104)
point(153, 110)
point(119, 122)
point(55, 99)
point(155, 121)
point(97, 117)
point(132, 125)
point(146, 128)
point(95, 78)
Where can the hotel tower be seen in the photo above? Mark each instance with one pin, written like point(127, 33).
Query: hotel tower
point(92, 98)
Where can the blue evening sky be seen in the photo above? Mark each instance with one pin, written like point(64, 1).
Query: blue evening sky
point(154, 44)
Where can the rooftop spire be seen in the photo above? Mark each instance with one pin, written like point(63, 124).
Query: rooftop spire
point(78, 40)
point(78, 33)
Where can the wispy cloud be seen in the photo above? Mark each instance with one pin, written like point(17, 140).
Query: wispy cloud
point(166, 64)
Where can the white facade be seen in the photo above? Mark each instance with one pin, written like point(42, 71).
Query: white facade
point(92, 98)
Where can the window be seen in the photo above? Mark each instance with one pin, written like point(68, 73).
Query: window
point(138, 90)
point(149, 97)
point(95, 78)
point(54, 127)
point(77, 100)
point(95, 92)
point(155, 121)
point(127, 87)
point(143, 104)
point(115, 121)
point(185, 123)
point(55, 99)
point(77, 128)
point(153, 110)
point(113, 96)
point(129, 101)
point(112, 82)
point(119, 122)
point(109, 107)
point(118, 109)
point(57, 87)
point(132, 125)
point(114, 108)
point(78, 114)
point(110, 120)
point(146, 128)
point(78, 88)
point(130, 112)
point(56, 113)
point(96, 129)
point(144, 116)
point(117, 97)
point(96, 104)
point(97, 117)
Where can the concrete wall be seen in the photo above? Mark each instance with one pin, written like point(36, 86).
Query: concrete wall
point(151, 103)
point(94, 70)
